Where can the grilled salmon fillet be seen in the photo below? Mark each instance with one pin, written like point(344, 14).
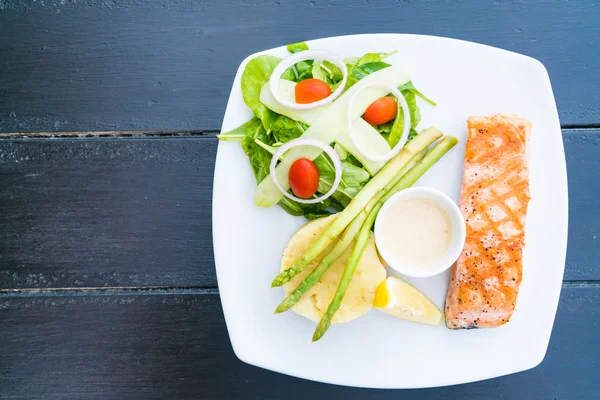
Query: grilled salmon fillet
point(484, 281)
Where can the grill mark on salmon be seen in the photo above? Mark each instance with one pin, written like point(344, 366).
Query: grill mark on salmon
point(485, 280)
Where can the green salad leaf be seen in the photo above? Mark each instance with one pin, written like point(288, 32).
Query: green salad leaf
point(333, 206)
point(385, 129)
point(412, 134)
point(327, 72)
point(374, 57)
point(353, 160)
point(297, 47)
point(238, 133)
point(415, 118)
point(358, 68)
point(285, 129)
point(255, 75)
point(360, 71)
point(363, 70)
point(318, 72)
point(353, 175)
point(353, 179)
point(303, 69)
point(351, 61)
point(409, 86)
point(311, 211)
point(260, 158)
point(291, 207)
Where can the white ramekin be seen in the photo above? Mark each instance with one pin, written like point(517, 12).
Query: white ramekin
point(457, 241)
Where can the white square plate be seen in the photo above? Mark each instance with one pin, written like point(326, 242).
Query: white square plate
point(378, 350)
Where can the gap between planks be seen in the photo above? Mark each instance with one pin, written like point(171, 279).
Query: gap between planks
point(208, 133)
point(109, 134)
point(171, 291)
point(108, 291)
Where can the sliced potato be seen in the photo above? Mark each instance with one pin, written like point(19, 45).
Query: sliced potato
point(370, 272)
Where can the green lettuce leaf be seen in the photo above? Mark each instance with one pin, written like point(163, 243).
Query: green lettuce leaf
point(255, 75)
point(374, 57)
point(362, 70)
point(259, 158)
point(412, 134)
point(327, 72)
point(297, 47)
point(409, 86)
point(238, 133)
point(311, 211)
point(353, 179)
point(285, 129)
point(415, 118)
point(303, 69)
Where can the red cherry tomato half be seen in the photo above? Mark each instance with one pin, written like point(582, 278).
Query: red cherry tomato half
point(311, 90)
point(304, 178)
point(381, 111)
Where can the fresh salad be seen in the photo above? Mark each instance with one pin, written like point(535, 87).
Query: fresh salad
point(332, 140)
point(274, 124)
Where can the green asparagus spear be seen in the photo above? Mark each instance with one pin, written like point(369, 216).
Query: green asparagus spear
point(316, 274)
point(357, 251)
point(417, 172)
point(362, 199)
point(341, 246)
point(361, 242)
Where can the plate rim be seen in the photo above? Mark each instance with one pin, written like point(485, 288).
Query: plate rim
point(243, 356)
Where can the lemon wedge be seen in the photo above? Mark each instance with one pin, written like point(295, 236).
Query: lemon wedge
point(399, 298)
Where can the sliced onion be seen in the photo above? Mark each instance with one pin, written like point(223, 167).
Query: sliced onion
point(316, 55)
point(307, 142)
point(406, 129)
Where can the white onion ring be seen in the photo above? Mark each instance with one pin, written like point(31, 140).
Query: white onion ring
point(337, 163)
point(403, 138)
point(303, 56)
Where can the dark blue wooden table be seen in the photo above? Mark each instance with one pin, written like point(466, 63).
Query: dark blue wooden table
point(108, 115)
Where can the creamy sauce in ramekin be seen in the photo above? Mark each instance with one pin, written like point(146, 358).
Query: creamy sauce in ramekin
point(416, 231)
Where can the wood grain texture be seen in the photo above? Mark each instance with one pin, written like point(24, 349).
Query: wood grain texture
point(583, 250)
point(97, 134)
point(106, 212)
point(137, 212)
point(164, 65)
point(176, 346)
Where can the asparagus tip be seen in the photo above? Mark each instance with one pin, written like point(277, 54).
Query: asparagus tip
point(283, 277)
point(281, 308)
point(278, 280)
point(321, 329)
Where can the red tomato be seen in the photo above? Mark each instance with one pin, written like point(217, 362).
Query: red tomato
point(304, 178)
point(381, 111)
point(311, 90)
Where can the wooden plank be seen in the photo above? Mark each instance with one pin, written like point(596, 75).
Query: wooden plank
point(106, 212)
point(137, 212)
point(176, 346)
point(582, 151)
point(167, 65)
point(97, 134)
